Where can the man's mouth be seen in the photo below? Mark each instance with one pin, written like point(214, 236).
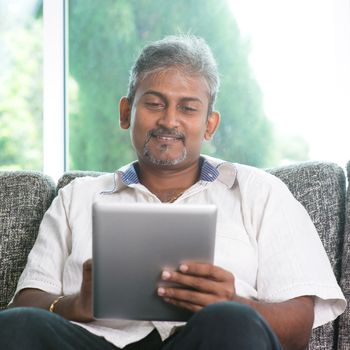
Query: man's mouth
point(167, 136)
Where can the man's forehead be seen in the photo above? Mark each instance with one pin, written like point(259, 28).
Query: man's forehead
point(161, 81)
point(162, 95)
point(179, 72)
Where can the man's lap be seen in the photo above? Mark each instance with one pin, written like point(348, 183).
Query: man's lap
point(221, 325)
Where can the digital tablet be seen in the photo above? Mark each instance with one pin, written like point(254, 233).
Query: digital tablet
point(132, 243)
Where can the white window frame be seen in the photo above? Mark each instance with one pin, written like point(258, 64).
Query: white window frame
point(54, 91)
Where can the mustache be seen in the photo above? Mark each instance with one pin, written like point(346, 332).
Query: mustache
point(161, 131)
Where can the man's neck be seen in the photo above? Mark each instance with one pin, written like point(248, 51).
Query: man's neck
point(168, 183)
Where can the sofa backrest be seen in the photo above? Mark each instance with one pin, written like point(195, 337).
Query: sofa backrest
point(344, 320)
point(69, 176)
point(320, 188)
point(24, 198)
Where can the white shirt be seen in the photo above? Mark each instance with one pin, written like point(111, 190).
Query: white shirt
point(264, 237)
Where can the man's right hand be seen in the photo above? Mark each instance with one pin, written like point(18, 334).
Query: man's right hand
point(77, 307)
point(84, 299)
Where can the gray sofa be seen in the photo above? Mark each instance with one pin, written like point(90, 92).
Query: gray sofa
point(319, 186)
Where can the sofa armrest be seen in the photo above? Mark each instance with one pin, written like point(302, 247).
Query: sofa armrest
point(320, 188)
point(344, 320)
point(24, 198)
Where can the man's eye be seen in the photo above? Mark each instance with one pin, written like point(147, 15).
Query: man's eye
point(188, 109)
point(154, 105)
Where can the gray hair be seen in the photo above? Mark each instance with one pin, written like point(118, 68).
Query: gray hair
point(187, 52)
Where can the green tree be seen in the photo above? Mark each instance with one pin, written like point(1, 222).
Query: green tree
point(104, 39)
point(21, 96)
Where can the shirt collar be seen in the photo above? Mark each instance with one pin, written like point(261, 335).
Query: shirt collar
point(211, 169)
point(129, 176)
point(227, 171)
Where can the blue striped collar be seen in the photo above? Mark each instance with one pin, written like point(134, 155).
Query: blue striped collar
point(129, 176)
point(211, 169)
point(208, 173)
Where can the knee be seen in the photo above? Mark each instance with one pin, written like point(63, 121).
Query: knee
point(27, 328)
point(28, 318)
point(229, 311)
point(231, 315)
point(233, 325)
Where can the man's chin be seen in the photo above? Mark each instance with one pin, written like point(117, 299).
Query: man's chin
point(165, 161)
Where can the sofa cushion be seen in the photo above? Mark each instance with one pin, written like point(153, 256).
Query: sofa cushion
point(320, 188)
point(344, 320)
point(24, 198)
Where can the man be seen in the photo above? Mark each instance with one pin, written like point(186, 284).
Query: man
point(271, 281)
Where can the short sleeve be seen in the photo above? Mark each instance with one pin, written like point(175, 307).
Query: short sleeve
point(292, 259)
point(46, 260)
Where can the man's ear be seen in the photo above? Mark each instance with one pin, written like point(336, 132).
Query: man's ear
point(124, 113)
point(212, 124)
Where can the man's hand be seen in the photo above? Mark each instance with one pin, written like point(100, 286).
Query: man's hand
point(84, 299)
point(200, 284)
point(77, 307)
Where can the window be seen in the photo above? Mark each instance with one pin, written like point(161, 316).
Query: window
point(284, 69)
point(21, 142)
point(281, 98)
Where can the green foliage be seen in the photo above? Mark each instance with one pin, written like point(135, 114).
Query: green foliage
point(21, 97)
point(104, 39)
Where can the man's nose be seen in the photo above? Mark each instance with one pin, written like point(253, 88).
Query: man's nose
point(170, 118)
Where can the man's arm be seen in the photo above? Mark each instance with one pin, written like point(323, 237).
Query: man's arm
point(75, 307)
point(291, 320)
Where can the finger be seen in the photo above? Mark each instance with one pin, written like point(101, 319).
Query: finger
point(87, 266)
point(205, 270)
point(87, 269)
point(221, 290)
point(187, 296)
point(183, 304)
point(201, 284)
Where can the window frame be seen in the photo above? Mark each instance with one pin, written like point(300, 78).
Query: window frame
point(55, 61)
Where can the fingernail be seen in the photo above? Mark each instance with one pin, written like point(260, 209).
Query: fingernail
point(165, 275)
point(161, 291)
point(183, 268)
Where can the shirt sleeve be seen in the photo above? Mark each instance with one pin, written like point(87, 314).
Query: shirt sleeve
point(292, 259)
point(45, 264)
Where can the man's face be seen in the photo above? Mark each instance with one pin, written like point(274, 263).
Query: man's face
point(169, 118)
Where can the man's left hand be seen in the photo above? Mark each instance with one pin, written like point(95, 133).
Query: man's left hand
point(200, 284)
